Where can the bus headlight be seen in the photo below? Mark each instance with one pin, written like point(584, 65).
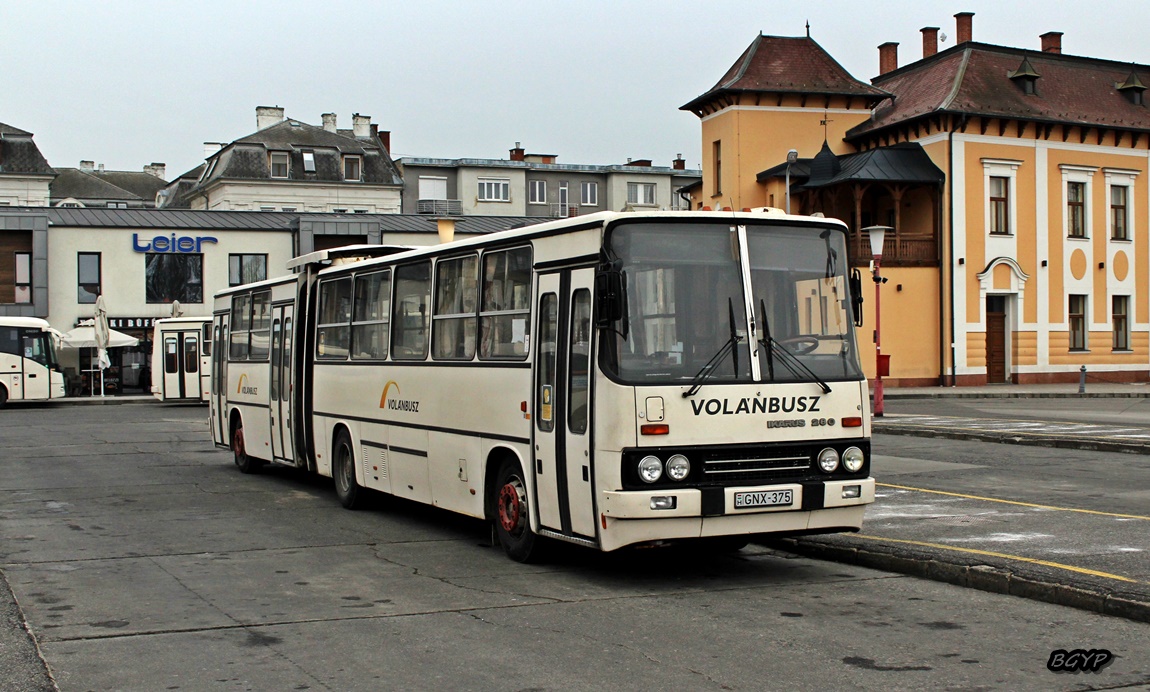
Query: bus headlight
point(678, 467)
point(650, 469)
point(828, 460)
point(853, 459)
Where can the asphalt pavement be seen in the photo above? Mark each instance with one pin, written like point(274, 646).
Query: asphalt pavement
point(1003, 558)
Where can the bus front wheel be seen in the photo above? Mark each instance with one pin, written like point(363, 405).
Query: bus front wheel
point(244, 462)
point(512, 514)
point(3, 396)
point(343, 472)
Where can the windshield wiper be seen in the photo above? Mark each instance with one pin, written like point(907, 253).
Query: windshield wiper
point(789, 360)
point(701, 376)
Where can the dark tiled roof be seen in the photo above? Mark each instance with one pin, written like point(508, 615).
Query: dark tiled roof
point(900, 163)
point(109, 185)
point(263, 220)
point(783, 64)
point(974, 79)
point(19, 154)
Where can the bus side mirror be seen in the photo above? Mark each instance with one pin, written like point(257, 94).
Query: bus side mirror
point(856, 296)
point(609, 298)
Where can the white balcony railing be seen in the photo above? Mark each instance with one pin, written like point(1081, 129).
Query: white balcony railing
point(443, 207)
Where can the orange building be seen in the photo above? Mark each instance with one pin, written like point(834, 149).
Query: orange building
point(1015, 183)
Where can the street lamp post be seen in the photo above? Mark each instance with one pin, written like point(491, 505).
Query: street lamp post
point(792, 156)
point(877, 234)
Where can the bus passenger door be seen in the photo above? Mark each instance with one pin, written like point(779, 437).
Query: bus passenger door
point(562, 376)
point(37, 374)
point(220, 378)
point(280, 395)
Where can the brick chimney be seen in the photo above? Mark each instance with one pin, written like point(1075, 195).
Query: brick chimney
point(963, 27)
point(929, 40)
point(1051, 42)
point(87, 166)
point(328, 122)
point(679, 164)
point(385, 139)
point(517, 153)
point(360, 125)
point(887, 57)
point(266, 116)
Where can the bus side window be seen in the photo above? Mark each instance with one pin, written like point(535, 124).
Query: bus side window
point(453, 326)
point(241, 322)
point(370, 317)
point(545, 384)
point(333, 329)
point(411, 311)
point(261, 325)
point(9, 341)
point(171, 357)
point(207, 338)
point(191, 353)
point(504, 313)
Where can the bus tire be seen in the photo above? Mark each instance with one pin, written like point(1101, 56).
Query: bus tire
point(3, 395)
point(343, 472)
point(244, 462)
point(512, 513)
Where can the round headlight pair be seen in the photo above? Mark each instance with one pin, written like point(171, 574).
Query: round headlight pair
point(651, 468)
point(852, 459)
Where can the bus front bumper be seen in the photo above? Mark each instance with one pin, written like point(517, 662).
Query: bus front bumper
point(637, 516)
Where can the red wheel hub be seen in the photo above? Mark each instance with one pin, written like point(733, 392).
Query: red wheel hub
point(511, 507)
point(238, 442)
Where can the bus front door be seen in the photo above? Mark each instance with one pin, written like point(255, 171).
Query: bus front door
point(563, 463)
point(279, 409)
point(219, 410)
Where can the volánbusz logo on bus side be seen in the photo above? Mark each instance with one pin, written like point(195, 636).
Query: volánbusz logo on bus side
point(761, 404)
point(409, 405)
point(246, 390)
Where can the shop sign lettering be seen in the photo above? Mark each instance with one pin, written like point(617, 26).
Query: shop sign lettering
point(171, 243)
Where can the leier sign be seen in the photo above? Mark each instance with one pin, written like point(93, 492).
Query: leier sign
point(171, 243)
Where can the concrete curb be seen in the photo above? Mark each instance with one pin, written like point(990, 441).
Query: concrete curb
point(1085, 443)
point(85, 401)
point(996, 578)
point(951, 393)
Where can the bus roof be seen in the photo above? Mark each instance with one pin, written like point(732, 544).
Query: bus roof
point(587, 221)
point(28, 322)
point(352, 253)
point(183, 320)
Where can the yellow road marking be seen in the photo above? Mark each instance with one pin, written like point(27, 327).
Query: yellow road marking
point(1019, 558)
point(1015, 502)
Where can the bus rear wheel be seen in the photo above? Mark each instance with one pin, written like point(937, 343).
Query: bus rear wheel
point(343, 473)
point(512, 514)
point(3, 396)
point(245, 463)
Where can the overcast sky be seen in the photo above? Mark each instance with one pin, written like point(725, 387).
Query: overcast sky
point(594, 82)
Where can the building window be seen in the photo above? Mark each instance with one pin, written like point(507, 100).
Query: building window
point(1076, 209)
point(267, 208)
point(352, 170)
point(538, 191)
point(717, 156)
point(1077, 323)
point(117, 205)
point(87, 277)
point(23, 277)
point(641, 193)
point(999, 205)
point(309, 162)
point(174, 276)
point(247, 269)
point(279, 164)
point(589, 194)
point(1120, 316)
point(494, 190)
point(1119, 228)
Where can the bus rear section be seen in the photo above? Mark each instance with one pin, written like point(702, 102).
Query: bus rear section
point(29, 370)
point(181, 359)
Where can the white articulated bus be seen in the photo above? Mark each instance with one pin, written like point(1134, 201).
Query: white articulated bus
point(28, 366)
point(181, 359)
point(606, 380)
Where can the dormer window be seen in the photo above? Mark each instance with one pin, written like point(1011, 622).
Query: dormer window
point(309, 162)
point(352, 169)
point(279, 164)
point(1132, 89)
point(1026, 77)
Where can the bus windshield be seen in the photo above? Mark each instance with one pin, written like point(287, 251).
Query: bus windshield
point(687, 304)
point(39, 346)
